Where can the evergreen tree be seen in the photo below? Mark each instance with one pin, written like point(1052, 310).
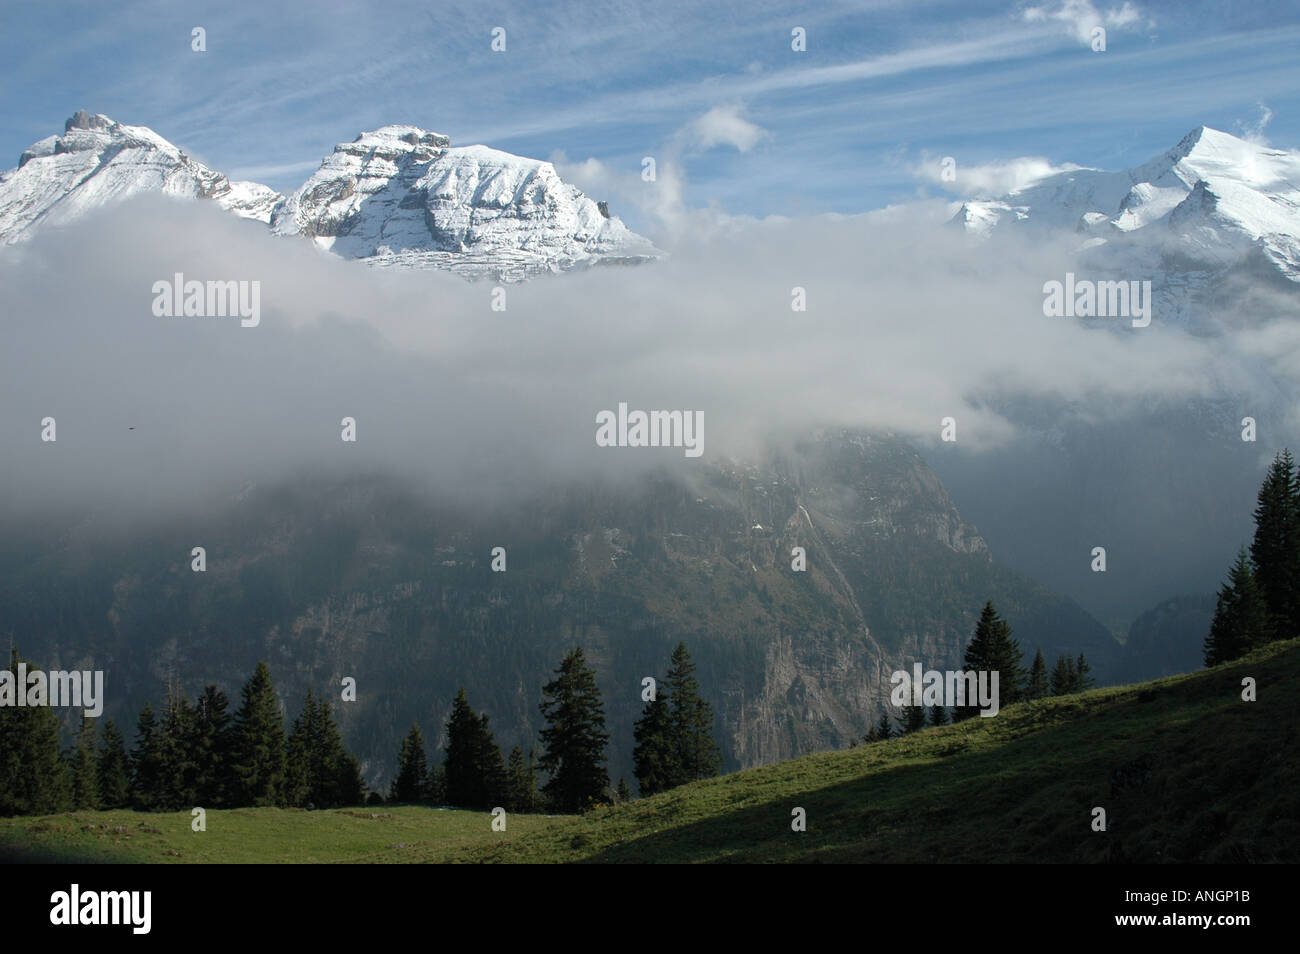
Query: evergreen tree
point(350, 785)
point(259, 765)
point(521, 784)
point(1275, 550)
point(112, 765)
point(623, 794)
point(873, 734)
point(539, 801)
point(654, 756)
point(435, 792)
point(691, 721)
point(884, 728)
point(516, 768)
point(412, 780)
point(297, 778)
point(335, 773)
point(1241, 618)
point(321, 774)
point(338, 771)
point(939, 715)
point(213, 748)
point(574, 739)
point(913, 719)
point(34, 777)
point(1006, 658)
point(991, 650)
point(148, 781)
point(1038, 686)
point(85, 780)
point(493, 787)
point(978, 651)
point(475, 772)
point(1083, 680)
point(178, 769)
point(1063, 676)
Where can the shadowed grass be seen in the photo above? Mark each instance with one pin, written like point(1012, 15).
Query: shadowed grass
point(1185, 770)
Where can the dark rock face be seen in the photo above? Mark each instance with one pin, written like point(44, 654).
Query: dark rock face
point(371, 581)
point(84, 120)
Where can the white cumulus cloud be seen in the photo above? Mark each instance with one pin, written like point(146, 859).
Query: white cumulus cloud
point(724, 126)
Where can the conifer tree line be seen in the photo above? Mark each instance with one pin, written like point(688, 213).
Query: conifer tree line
point(473, 774)
point(199, 753)
point(1260, 601)
point(674, 745)
point(190, 754)
point(992, 649)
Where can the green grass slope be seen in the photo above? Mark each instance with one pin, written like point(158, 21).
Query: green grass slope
point(1186, 771)
point(390, 834)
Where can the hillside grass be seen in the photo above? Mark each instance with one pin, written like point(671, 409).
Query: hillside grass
point(1186, 771)
point(390, 834)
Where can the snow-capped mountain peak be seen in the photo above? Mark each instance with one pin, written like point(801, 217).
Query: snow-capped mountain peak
point(397, 196)
point(98, 161)
point(403, 196)
point(1220, 197)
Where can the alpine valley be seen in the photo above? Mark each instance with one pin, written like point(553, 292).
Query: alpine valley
point(325, 578)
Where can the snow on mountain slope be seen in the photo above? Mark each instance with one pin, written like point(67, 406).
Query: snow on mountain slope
point(1213, 198)
point(97, 161)
point(402, 196)
point(398, 196)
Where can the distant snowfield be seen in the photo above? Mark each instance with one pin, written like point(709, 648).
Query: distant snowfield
point(403, 197)
point(1213, 197)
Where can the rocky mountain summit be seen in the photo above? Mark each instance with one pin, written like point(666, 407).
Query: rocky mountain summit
point(402, 196)
point(1207, 221)
point(396, 197)
point(98, 161)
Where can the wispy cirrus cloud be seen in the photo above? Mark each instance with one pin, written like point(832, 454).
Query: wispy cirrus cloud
point(978, 80)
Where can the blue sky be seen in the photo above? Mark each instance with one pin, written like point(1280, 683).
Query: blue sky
point(757, 128)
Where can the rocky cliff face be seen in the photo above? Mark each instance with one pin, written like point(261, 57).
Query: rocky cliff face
point(370, 582)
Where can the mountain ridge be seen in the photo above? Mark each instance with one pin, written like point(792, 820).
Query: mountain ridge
point(1218, 198)
point(399, 196)
point(366, 579)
